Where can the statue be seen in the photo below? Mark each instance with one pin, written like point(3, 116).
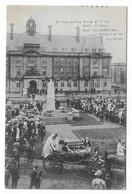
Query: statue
point(50, 103)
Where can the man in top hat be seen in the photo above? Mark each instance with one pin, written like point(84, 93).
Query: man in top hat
point(98, 183)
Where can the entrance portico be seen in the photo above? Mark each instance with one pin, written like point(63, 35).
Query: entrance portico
point(33, 84)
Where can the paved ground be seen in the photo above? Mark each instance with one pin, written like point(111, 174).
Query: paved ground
point(66, 129)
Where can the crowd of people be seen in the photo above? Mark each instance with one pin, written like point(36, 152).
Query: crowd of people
point(25, 126)
point(109, 109)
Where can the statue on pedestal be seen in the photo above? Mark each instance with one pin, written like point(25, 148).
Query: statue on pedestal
point(50, 103)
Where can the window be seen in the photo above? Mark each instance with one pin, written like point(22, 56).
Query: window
point(18, 73)
point(95, 72)
point(62, 84)
point(20, 48)
point(105, 73)
point(101, 50)
point(97, 84)
point(44, 84)
point(68, 72)
point(56, 71)
point(42, 49)
point(55, 49)
point(105, 83)
point(94, 50)
point(73, 50)
point(86, 71)
point(44, 71)
point(68, 84)
point(95, 62)
point(62, 61)
point(18, 84)
point(62, 72)
point(75, 72)
point(75, 84)
point(56, 84)
point(86, 49)
point(69, 61)
point(64, 49)
point(92, 83)
point(44, 61)
point(56, 61)
point(86, 84)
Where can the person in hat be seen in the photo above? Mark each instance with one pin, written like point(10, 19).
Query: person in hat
point(39, 180)
point(98, 183)
point(34, 178)
point(15, 175)
point(7, 173)
point(108, 180)
point(42, 130)
point(120, 149)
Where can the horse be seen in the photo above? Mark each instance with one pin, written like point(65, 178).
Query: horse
point(112, 159)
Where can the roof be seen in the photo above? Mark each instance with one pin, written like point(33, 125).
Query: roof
point(59, 42)
point(31, 20)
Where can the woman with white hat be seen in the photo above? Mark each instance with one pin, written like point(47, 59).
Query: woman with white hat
point(98, 183)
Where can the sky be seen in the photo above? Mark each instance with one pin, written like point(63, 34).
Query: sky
point(109, 22)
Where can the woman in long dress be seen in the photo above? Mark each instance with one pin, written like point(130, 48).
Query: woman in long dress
point(50, 145)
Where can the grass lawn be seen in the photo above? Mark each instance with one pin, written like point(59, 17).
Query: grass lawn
point(105, 138)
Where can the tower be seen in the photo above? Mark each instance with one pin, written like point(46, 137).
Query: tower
point(31, 27)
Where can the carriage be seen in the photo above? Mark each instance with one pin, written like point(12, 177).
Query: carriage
point(77, 156)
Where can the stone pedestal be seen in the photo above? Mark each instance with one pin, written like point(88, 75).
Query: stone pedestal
point(61, 109)
point(76, 114)
point(70, 116)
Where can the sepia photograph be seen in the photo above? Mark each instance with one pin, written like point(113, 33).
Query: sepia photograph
point(66, 97)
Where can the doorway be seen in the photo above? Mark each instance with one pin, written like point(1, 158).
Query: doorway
point(33, 87)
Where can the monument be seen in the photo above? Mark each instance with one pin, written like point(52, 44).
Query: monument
point(50, 102)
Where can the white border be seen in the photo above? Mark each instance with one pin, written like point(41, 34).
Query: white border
point(3, 4)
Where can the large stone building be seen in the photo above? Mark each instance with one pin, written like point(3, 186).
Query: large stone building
point(75, 63)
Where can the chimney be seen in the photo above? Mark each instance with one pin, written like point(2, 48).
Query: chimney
point(101, 39)
point(78, 34)
point(11, 31)
point(50, 33)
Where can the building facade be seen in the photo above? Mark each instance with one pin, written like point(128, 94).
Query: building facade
point(74, 63)
point(119, 74)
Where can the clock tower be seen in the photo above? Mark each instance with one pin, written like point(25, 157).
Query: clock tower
point(31, 27)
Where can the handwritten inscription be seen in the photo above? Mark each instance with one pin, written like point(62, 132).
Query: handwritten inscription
point(100, 27)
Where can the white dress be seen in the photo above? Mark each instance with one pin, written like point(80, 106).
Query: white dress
point(120, 150)
point(48, 146)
